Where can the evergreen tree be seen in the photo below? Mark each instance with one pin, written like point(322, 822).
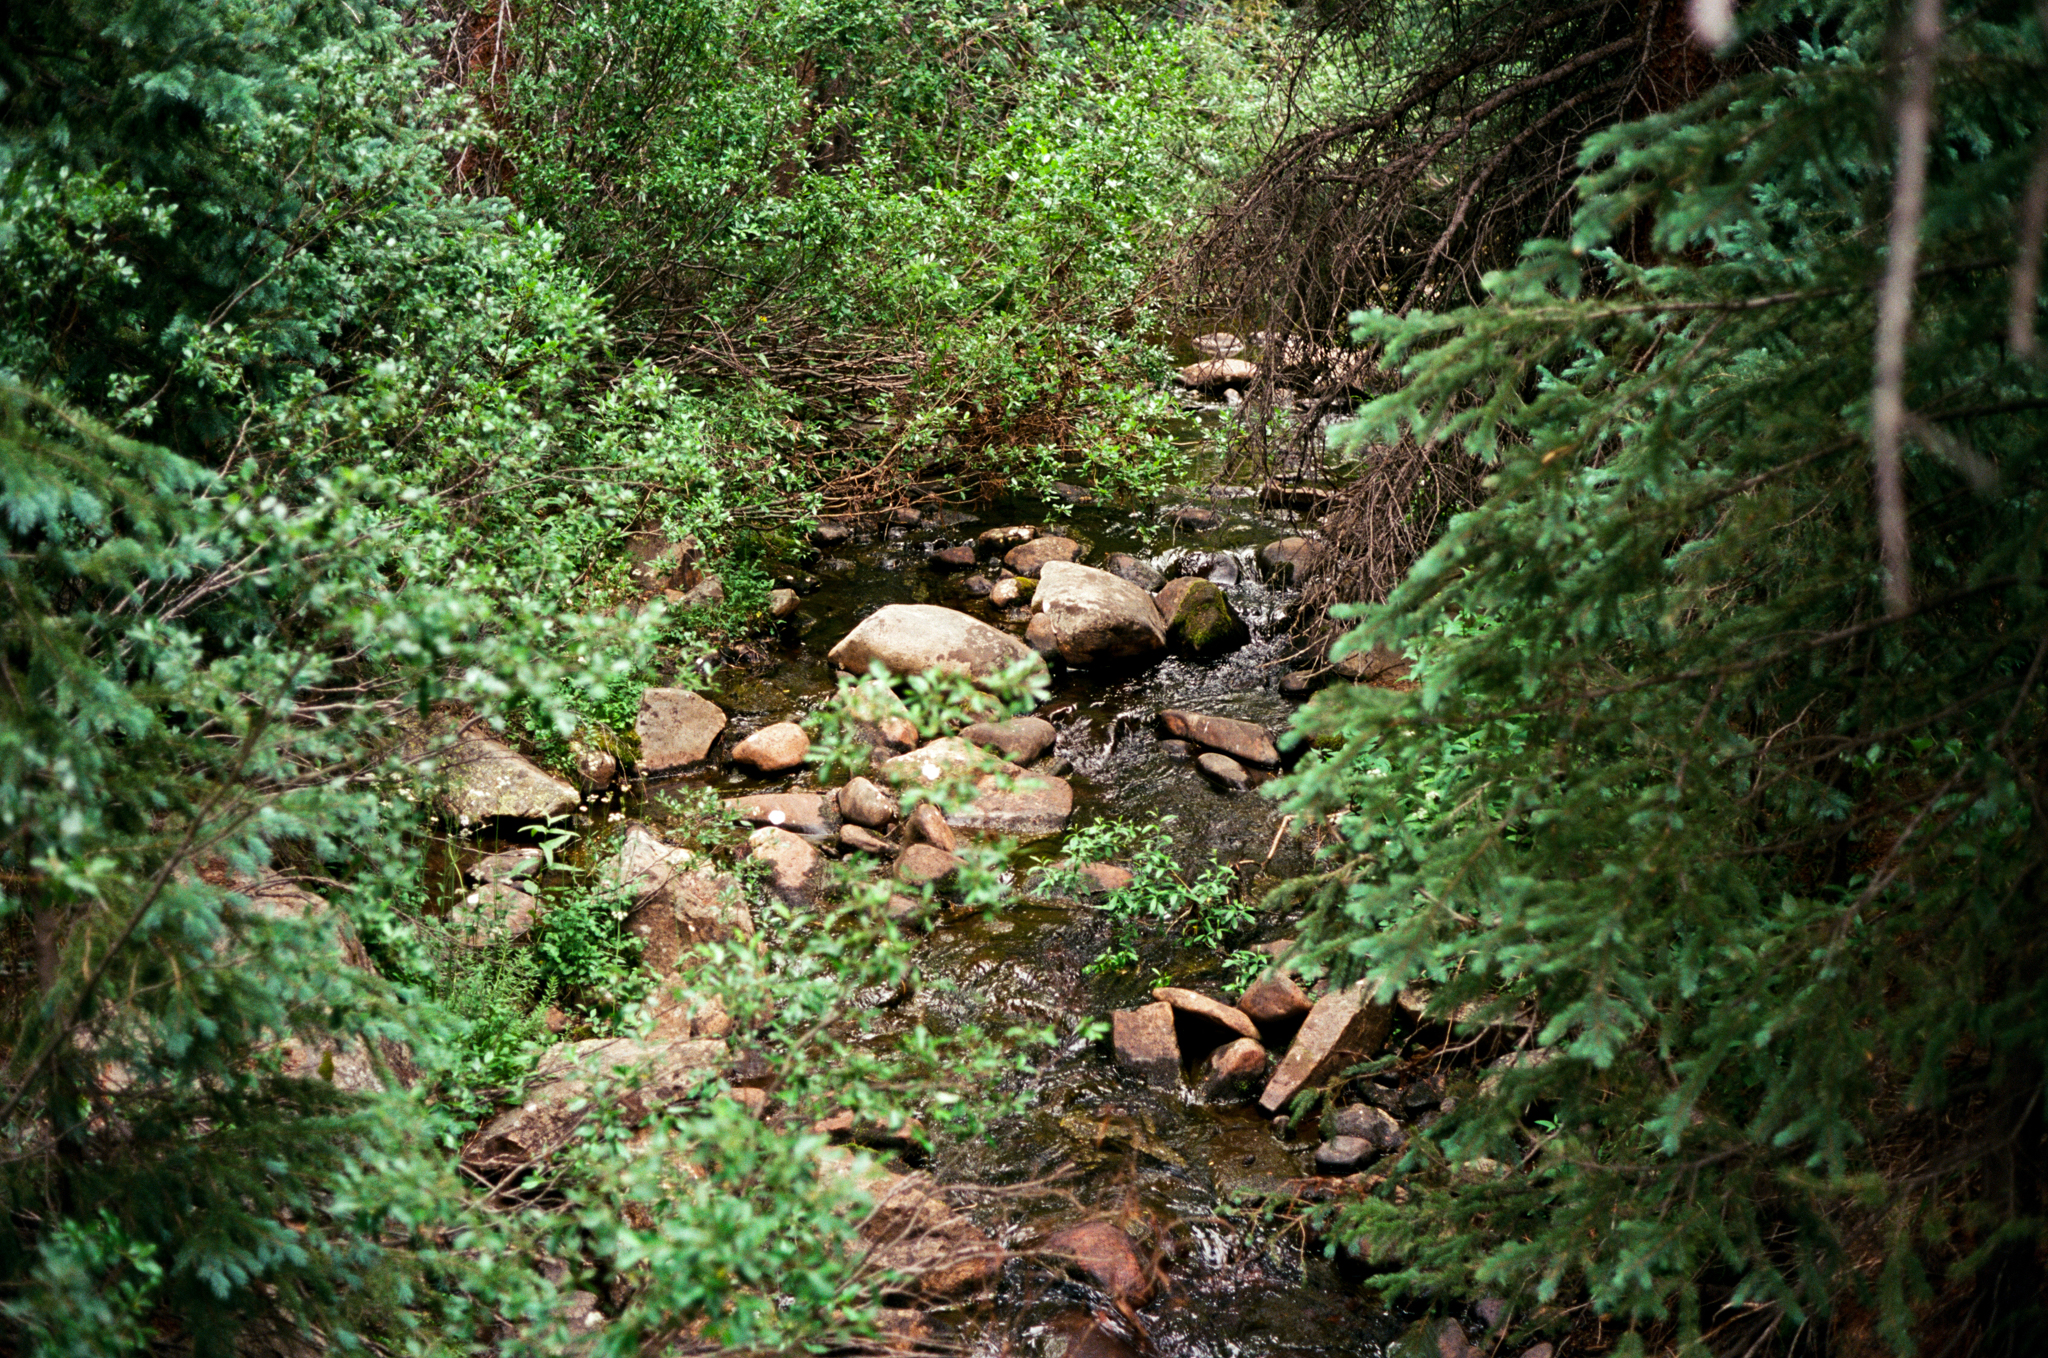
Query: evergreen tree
point(1735, 798)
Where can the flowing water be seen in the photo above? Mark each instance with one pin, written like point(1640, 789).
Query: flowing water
point(1175, 1172)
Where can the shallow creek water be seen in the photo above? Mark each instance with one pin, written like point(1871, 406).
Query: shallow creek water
point(1160, 1162)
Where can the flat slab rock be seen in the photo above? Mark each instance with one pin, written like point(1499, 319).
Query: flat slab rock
point(1202, 1007)
point(1243, 741)
point(802, 813)
point(1035, 805)
point(676, 728)
point(643, 1077)
point(912, 638)
point(1342, 1029)
point(1106, 1255)
point(1019, 740)
point(483, 778)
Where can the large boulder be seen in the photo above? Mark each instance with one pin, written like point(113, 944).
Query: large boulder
point(773, 749)
point(1029, 558)
point(676, 900)
point(1216, 373)
point(638, 1078)
point(912, 638)
point(1034, 805)
point(795, 869)
point(1097, 616)
point(1145, 1043)
point(483, 778)
point(1199, 618)
point(935, 761)
point(1243, 741)
point(676, 728)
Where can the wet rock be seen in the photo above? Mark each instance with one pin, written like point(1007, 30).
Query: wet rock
point(927, 825)
point(1219, 568)
point(1234, 1071)
point(1145, 1043)
point(1031, 558)
point(504, 867)
point(1224, 771)
point(1041, 636)
point(1011, 590)
point(794, 867)
point(997, 541)
point(1275, 1002)
point(773, 749)
point(1367, 1123)
point(897, 732)
point(832, 532)
point(838, 565)
point(1096, 616)
point(1199, 618)
point(1089, 1336)
point(1193, 518)
point(1107, 1256)
point(1140, 573)
point(1342, 1029)
point(1379, 665)
point(1345, 1155)
point(639, 1078)
point(1019, 740)
point(802, 813)
point(1035, 805)
point(677, 899)
point(1296, 687)
point(903, 516)
point(1214, 374)
point(861, 802)
point(1241, 740)
point(676, 728)
point(921, 863)
point(1196, 1011)
point(1104, 879)
point(1218, 344)
point(979, 585)
point(1286, 559)
point(1176, 749)
point(704, 594)
point(961, 558)
point(597, 768)
point(1071, 493)
point(782, 603)
point(865, 840)
point(911, 638)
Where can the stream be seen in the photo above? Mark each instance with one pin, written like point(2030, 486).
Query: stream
point(1166, 1166)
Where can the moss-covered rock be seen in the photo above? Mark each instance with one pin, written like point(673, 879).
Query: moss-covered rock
point(1199, 618)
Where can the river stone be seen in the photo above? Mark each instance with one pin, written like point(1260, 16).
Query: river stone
point(1037, 804)
point(1104, 879)
point(802, 813)
point(961, 558)
point(782, 603)
point(1145, 1043)
point(677, 900)
point(928, 826)
point(921, 863)
point(1020, 740)
point(1194, 518)
point(1377, 665)
point(1011, 589)
point(898, 733)
point(1030, 558)
point(1219, 568)
point(1234, 1071)
point(676, 727)
point(1199, 618)
point(794, 866)
point(980, 586)
point(912, 1230)
point(865, 840)
point(1108, 1257)
point(946, 757)
point(912, 638)
point(597, 768)
point(483, 777)
point(1213, 1013)
point(997, 541)
point(1041, 636)
point(641, 1078)
point(1274, 1001)
point(1368, 1123)
point(861, 802)
point(773, 749)
point(1341, 1030)
point(1224, 771)
point(1241, 740)
point(1219, 344)
point(1345, 1155)
point(1286, 559)
point(1217, 373)
point(1140, 573)
point(496, 912)
point(1097, 616)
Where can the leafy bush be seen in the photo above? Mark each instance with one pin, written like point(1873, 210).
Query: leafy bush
point(1161, 898)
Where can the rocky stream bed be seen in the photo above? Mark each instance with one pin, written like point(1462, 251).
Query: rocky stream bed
point(1165, 634)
